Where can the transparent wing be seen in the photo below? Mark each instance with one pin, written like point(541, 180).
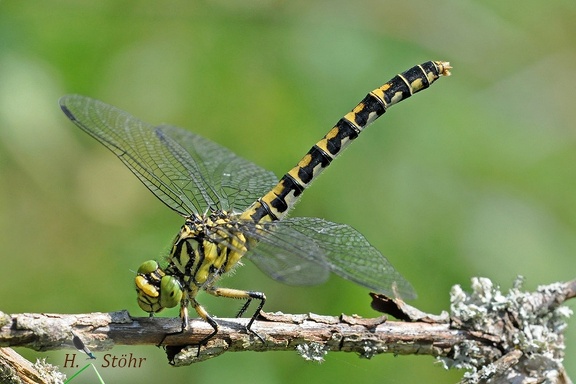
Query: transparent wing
point(287, 255)
point(188, 173)
point(302, 250)
point(238, 182)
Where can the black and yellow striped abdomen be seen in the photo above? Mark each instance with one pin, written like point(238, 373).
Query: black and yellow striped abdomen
point(278, 201)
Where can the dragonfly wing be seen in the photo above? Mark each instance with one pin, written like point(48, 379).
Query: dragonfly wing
point(237, 182)
point(179, 175)
point(135, 143)
point(347, 253)
point(287, 255)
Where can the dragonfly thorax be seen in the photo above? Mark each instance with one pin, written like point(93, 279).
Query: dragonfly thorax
point(206, 247)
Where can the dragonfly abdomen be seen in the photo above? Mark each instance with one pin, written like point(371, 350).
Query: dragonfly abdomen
point(280, 199)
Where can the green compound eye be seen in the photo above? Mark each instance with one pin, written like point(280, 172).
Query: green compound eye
point(150, 282)
point(170, 292)
point(148, 267)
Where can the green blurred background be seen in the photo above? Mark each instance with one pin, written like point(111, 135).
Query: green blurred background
point(473, 177)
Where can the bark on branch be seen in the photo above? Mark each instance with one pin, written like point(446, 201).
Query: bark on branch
point(491, 334)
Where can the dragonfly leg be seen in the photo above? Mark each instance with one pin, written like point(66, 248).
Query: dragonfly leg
point(206, 316)
point(185, 323)
point(173, 350)
point(243, 295)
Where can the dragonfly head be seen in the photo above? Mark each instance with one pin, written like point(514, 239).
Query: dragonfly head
point(155, 289)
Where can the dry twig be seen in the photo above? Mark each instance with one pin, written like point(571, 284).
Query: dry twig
point(494, 336)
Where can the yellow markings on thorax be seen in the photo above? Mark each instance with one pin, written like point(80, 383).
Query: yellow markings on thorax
point(205, 250)
point(211, 253)
point(232, 245)
point(184, 247)
point(238, 249)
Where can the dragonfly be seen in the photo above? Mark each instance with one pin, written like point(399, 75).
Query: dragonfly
point(233, 208)
point(79, 344)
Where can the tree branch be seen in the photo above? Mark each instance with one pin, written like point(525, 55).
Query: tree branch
point(488, 333)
